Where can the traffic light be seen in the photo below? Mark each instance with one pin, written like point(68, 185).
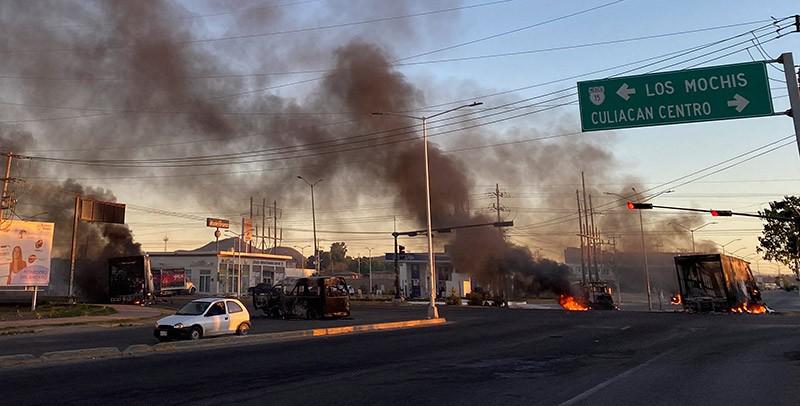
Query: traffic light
point(721, 213)
point(401, 252)
point(639, 206)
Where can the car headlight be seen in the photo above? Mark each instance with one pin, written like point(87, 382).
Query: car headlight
point(178, 325)
point(156, 325)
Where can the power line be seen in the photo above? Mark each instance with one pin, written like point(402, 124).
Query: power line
point(282, 32)
point(328, 70)
point(180, 161)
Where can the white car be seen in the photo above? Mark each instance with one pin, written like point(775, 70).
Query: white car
point(205, 317)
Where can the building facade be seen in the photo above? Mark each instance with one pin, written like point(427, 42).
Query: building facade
point(225, 272)
point(415, 275)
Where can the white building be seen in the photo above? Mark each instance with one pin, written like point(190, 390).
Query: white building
point(220, 272)
point(415, 275)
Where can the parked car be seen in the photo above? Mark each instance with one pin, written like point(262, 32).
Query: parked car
point(205, 317)
point(311, 298)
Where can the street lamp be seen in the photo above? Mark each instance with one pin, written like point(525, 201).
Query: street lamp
point(433, 312)
point(239, 267)
point(313, 221)
point(302, 252)
point(692, 230)
point(735, 251)
point(644, 247)
point(369, 251)
point(756, 257)
point(727, 244)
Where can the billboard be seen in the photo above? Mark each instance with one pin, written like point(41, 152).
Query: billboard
point(247, 229)
point(105, 212)
point(25, 253)
point(218, 223)
point(169, 279)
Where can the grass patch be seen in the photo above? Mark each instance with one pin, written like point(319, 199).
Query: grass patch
point(53, 311)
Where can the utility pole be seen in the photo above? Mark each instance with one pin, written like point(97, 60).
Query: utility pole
point(586, 228)
point(264, 224)
point(275, 222)
point(580, 234)
point(165, 239)
point(594, 241)
point(250, 243)
point(497, 195)
point(5, 201)
point(313, 222)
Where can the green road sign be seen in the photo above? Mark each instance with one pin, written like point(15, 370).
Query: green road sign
point(685, 96)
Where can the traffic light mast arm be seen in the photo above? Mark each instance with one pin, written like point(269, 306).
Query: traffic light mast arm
point(713, 212)
point(448, 229)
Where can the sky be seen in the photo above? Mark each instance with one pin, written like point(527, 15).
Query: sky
point(652, 155)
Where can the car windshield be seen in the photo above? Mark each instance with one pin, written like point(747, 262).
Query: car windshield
point(193, 308)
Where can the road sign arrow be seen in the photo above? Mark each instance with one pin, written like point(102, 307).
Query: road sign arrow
point(739, 102)
point(625, 92)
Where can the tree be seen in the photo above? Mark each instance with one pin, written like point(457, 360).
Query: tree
point(339, 251)
point(779, 237)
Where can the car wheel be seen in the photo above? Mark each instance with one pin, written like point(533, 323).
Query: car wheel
point(243, 329)
point(196, 333)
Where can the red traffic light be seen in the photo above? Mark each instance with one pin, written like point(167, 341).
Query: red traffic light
point(639, 206)
point(721, 213)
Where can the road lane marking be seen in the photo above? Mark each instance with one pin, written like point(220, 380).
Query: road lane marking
point(607, 382)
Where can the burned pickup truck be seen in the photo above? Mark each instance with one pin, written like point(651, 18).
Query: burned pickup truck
point(310, 298)
point(717, 283)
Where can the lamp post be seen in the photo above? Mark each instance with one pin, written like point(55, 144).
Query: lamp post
point(727, 244)
point(313, 221)
point(644, 247)
point(238, 253)
point(433, 312)
point(735, 251)
point(692, 230)
point(369, 251)
point(303, 253)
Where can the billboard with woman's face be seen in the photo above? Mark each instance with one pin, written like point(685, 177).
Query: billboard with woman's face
point(25, 253)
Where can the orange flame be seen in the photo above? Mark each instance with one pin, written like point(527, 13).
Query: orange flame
point(752, 308)
point(676, 299)
point(568, 302)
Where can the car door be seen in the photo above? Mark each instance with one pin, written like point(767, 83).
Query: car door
point(237, 315)
point(216, 320)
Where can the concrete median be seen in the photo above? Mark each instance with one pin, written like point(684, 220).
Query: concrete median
point(83, 354)
point(140, 350)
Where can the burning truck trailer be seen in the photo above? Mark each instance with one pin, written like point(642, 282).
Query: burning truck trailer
point(133, 280)
point(717, 283)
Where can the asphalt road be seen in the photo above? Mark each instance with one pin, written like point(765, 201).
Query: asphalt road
point(77, 337)
point(485, 356)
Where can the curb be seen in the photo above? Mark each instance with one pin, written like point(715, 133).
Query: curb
point(140, 350)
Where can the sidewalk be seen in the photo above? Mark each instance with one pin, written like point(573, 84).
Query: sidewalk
point(125, 313)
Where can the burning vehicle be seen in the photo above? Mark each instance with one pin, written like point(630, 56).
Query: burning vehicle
point(717, 283)
point(311, 298)
point(593, 296)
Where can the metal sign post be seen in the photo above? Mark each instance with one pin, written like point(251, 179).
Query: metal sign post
point(794, 92)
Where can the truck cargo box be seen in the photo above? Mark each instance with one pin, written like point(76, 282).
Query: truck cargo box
point(715, 282)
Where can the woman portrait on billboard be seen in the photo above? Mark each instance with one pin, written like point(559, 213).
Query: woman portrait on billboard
point(17, 263)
